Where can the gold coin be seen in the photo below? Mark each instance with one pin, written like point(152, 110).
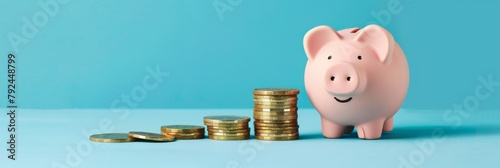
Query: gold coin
point(275, 91)
point(197, 131)
point(277, 135)
point(183, 128)
point(151, 136)
point(269, 103)
point(111, 138)
point(229, 131)
point(275, 104)
point(190, 137)
point(226, 124)
point(296, 127)
point(258, 106)
point(288, 117)
point(229, 134)
point(291, 100)
point(215, 137)
point(226, 119)
point(238, 127)
point(273, 113)
point(277, 99)
point(274, 109)
point(276, 138)
point(274, 96)
point(183, 134)
point(272, 125)
point(186, 136)
point(267, 131)
point(276, 121)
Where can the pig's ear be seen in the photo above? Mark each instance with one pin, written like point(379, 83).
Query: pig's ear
point(317, 38)
point(379, 39)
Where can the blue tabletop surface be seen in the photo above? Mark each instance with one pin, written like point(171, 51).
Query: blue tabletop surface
point(421, 138)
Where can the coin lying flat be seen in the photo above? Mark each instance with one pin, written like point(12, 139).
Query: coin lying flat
point(276, 121)
point(260, 106)
point(111, 138)
point(226, 119)
point(274, 109)
point(275, 91)
point(273, 138)
point(277, 104)
point(183, 134)
point(258, 97)
point(233, 125)
point(215, 137)
point(230, 134)
point(278, 135)
point(183, 128)
point(270, 113)
point(272, 125)
point(238, 127)
point(152, 136)
point(186, 136)
point(229, 130)
point(292, 100)
point(277, 127)
point(268, 131)
point(265, 117)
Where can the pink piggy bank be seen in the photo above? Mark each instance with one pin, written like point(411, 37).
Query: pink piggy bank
point(355, 78)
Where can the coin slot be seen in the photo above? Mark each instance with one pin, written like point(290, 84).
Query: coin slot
point(355, 30)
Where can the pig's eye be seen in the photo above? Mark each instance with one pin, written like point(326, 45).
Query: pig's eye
point(359, 57)
point(329, 57)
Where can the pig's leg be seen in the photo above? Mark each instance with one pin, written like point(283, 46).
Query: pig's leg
point(388, 124)
point(371, 129)
point(348, 129)
point(330, 129)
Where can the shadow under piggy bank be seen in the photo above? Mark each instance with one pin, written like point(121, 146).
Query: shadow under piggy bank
point(412, 132)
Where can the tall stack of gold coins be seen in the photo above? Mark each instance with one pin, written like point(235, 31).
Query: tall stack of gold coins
point(226, 127)
point(184, 131)
point(275, 114)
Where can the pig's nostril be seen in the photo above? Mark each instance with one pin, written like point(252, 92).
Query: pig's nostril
point(348, 78)
point(332, 78)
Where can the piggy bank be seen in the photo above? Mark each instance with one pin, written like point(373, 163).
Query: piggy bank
point(355, 78)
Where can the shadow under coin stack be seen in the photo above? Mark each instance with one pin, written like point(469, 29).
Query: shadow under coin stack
point(275, 114)
point(184, 131)
point(226, 127)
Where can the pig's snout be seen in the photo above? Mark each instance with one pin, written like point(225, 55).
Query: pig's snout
point(341, 79)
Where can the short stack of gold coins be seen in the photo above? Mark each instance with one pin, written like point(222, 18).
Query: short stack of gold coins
point(184, 131)
point(227, 127)
point(275, 114)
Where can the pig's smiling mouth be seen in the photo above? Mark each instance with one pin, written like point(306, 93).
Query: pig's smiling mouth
point(343, 101)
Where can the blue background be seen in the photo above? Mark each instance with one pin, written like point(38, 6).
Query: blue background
point(92, 52)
